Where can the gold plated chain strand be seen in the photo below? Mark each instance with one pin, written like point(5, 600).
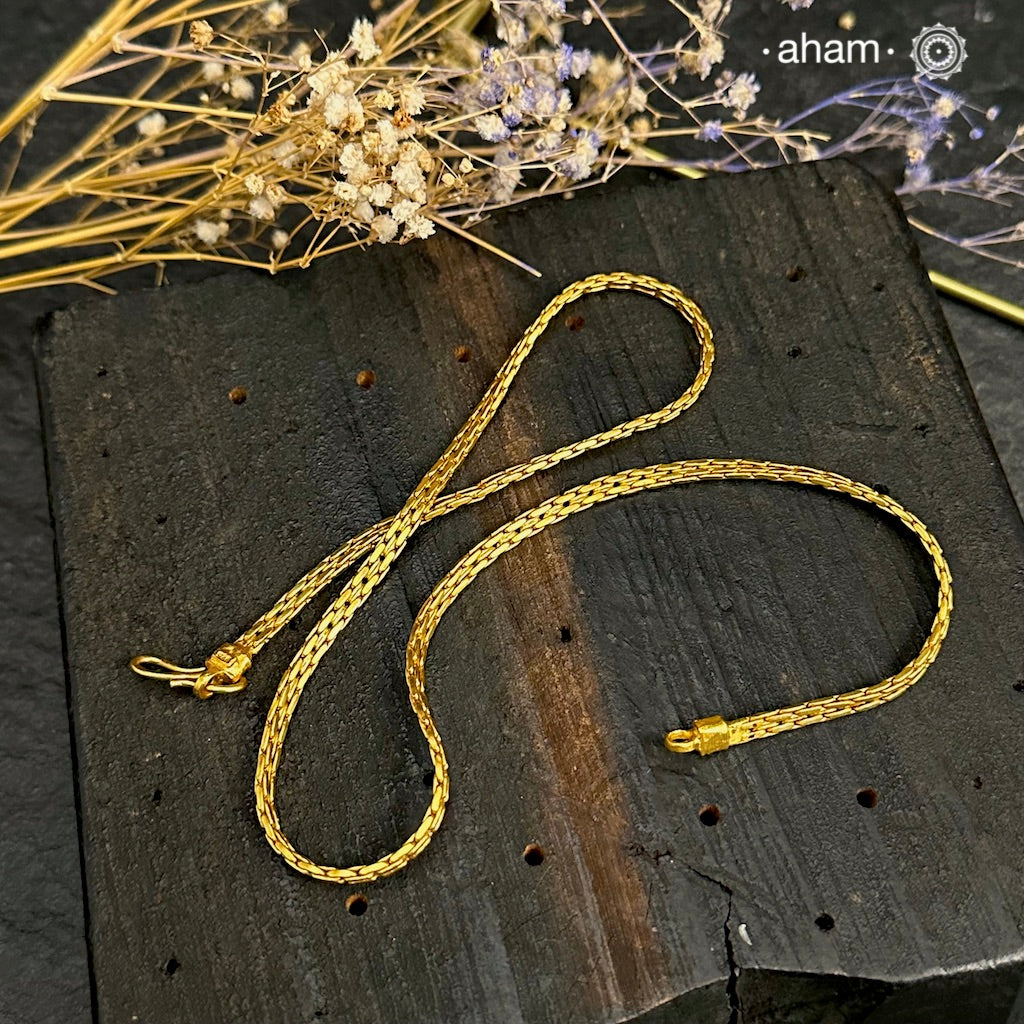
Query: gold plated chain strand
point(381, 544)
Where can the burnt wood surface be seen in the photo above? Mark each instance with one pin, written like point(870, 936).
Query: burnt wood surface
point(181, 516)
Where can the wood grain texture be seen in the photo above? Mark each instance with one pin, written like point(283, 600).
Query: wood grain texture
point(181, 516)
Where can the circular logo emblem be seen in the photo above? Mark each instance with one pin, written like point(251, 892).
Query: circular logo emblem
point(939, 51)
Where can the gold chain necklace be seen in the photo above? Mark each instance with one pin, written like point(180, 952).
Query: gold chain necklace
point(380, 545)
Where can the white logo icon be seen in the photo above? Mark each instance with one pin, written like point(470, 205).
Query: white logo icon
point(939, 51)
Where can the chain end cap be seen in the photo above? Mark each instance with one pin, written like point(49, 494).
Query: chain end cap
point(706, 736)
point(225, 671)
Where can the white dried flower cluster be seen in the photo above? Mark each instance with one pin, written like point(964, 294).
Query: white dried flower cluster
point(200, 33)
point(710, 45)
point(382, 152)
point(737, 92)
point(379, 167)
point(151, 124)
point(210, 232)
point(362, 41)
point(383, 184)
point(275, 14)
point(240, 88)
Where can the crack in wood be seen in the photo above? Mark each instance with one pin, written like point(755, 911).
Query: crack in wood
point(732, 981)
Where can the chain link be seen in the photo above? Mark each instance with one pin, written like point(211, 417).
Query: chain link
point(377, 548)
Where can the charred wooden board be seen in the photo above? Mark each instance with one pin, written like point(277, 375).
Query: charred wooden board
point(871, 865)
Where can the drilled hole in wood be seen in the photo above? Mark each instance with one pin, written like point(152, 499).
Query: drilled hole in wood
point(796, 273)
point(366, 379)
point(867, 797)
point(171, 967)
point(795, 352)
point(357, 904)
point(575, 323)
point(463, 354)
point(826, 922)
point(533, 855)
point(238, 395)
point(709, 815)
point(564, 634)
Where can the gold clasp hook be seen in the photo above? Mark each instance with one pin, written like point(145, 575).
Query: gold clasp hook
point(152, 667)
point(224, 672)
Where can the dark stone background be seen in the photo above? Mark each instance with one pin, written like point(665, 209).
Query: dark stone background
point(44, 975)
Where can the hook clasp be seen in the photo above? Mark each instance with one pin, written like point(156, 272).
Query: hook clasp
point(152, 667)
point(224, 671)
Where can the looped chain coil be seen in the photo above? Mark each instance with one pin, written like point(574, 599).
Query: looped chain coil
point(377, 548)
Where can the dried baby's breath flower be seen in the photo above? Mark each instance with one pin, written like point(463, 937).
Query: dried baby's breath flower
point(151, 124)
point(384, 227)
point(605, 72)
point(276, 193)
point(411, 98)
point(286, 154)
point(362, 40)
point(240, 88)
point(302, 55)
point(210, 232)
point(380, 194)
point(417, 227)
point(491, 128)
point(200, 34)
point(346, 192)
point(739, 92)
point(328, 75)
point(275, 14)
point(342, 109)
point(261, 208)
point(404, 209)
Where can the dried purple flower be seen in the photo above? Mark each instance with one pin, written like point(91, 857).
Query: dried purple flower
point(710, 131)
